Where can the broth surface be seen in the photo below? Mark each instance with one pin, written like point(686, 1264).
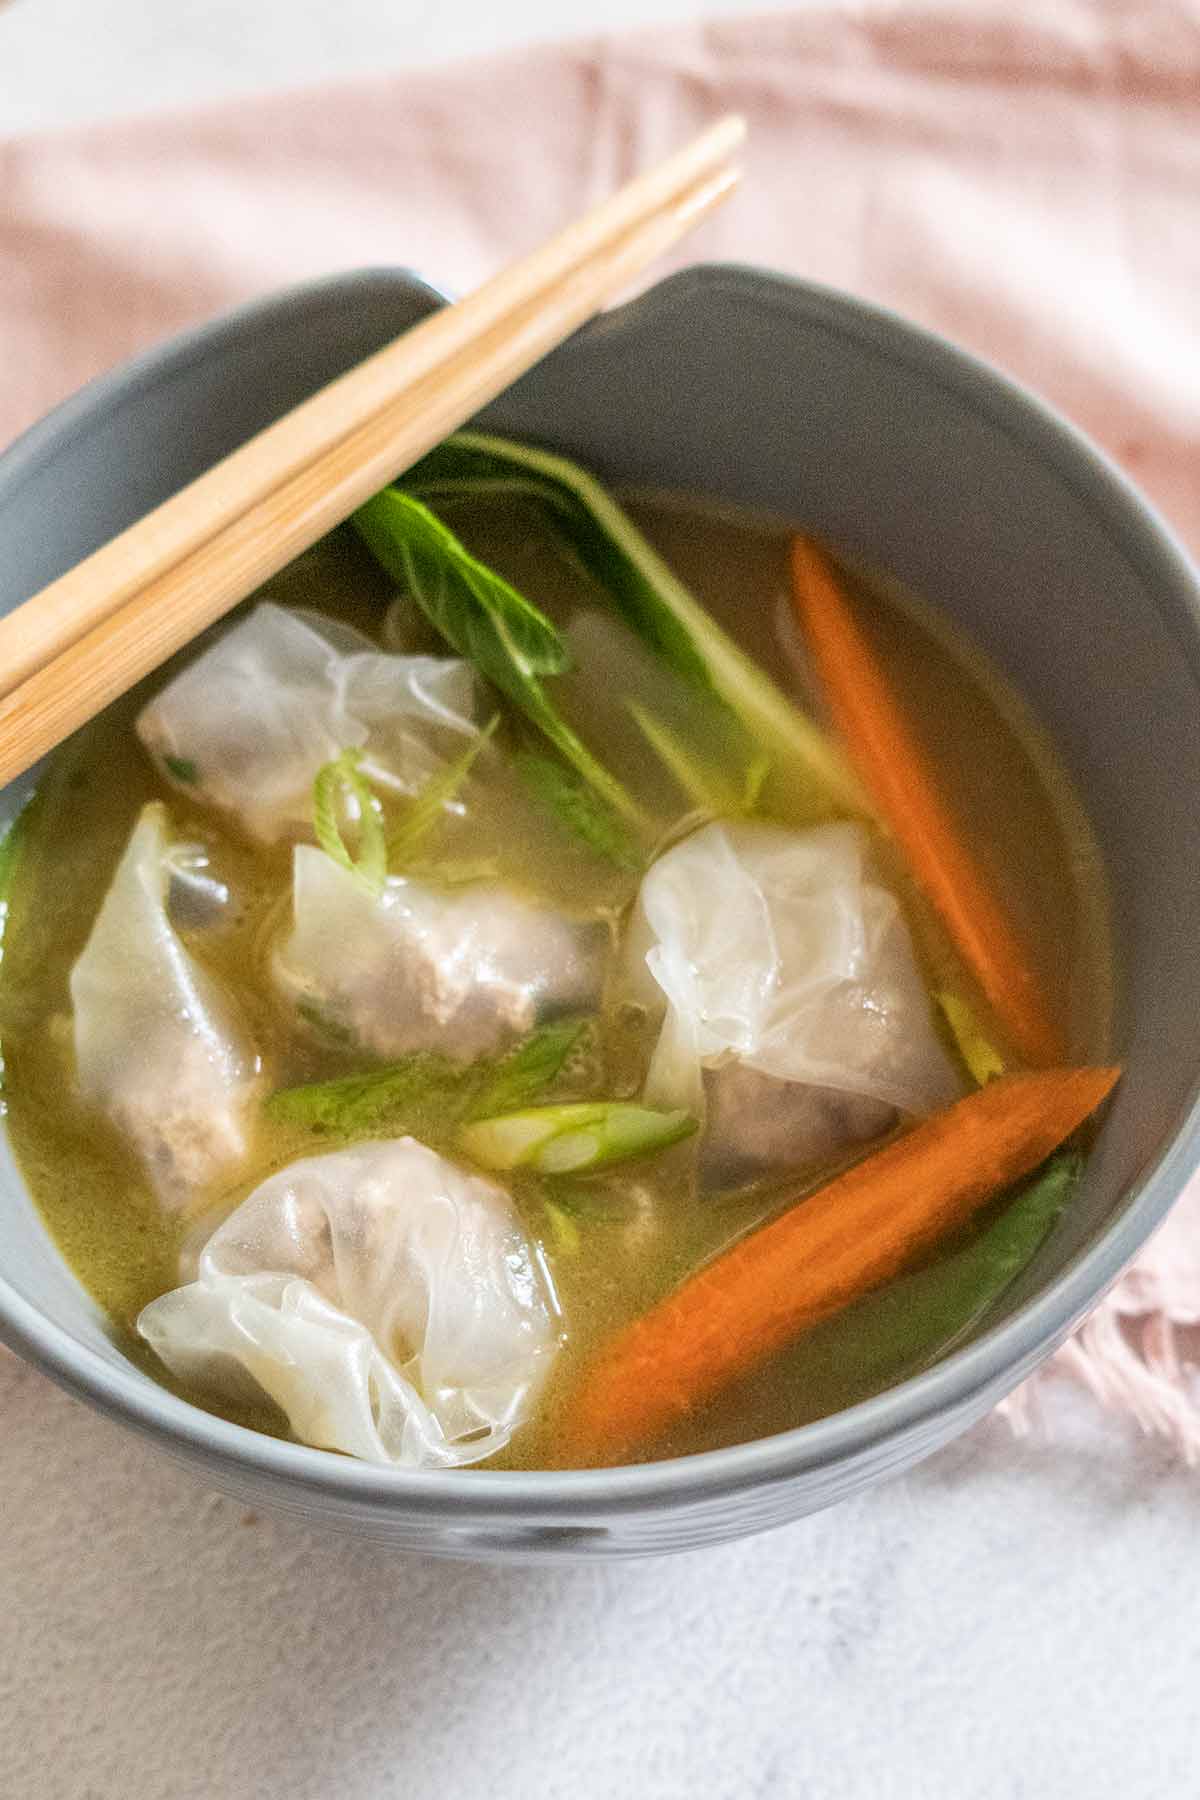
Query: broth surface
point(617, 1242)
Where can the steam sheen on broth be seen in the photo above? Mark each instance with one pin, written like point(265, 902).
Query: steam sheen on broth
point(516, 917)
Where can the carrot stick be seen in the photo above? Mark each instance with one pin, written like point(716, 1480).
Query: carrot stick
point(832, 1248)
point(894, 770)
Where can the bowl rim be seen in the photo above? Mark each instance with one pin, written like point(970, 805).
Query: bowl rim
point(975, 1375)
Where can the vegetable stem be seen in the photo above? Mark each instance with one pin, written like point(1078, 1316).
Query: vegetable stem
point(561, 1140)
point(484, 618)
point(809, 779)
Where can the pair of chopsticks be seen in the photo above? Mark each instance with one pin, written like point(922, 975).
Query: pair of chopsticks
point(121, 612)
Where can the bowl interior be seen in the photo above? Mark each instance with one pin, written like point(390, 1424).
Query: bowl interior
point(755, 391)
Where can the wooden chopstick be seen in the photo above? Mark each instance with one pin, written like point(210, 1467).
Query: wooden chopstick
point(361, 430)
point(169, 610)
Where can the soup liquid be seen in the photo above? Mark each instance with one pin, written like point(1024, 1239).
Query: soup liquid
point(613, 1245)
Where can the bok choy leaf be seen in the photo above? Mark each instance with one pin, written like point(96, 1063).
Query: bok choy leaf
point(428, 1094)
point(484, 618)
point(558, 792)
point(808, 778)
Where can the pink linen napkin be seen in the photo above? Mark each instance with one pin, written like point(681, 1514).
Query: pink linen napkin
point(1023, 175)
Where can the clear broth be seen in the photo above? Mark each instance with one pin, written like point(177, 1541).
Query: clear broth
point(641, 1230)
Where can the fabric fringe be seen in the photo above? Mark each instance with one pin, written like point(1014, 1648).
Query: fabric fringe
point(1130, 1365)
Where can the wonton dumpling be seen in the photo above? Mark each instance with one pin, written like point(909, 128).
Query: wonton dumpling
point(158, 1045)
point(464, 971)
point(795, 1015)
point(247, 725)
point(386, 1300)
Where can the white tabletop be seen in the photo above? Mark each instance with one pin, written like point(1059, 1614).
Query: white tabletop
point(1009, 1620)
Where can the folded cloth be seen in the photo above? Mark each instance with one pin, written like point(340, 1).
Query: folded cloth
point(1023, 175)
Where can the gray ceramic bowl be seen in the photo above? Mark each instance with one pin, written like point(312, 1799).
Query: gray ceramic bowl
point(783, 397)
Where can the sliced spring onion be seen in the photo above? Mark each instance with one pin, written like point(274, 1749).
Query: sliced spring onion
point(705, 786)
point(981, 1056)
point(558, 1140)
point(337, 786)
point(563, 1229)
point(431, 801)
point(557, 791)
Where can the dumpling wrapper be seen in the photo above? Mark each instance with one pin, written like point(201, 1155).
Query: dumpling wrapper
point(771, 951)
point(464, 971)
point(247, 725)
point(386, 1300)
point(159, 1046)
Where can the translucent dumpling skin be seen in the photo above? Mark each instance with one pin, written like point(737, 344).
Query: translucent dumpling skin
point(385, 1299)
point(248, 724)
point(793, 1009)
point(463, 971)
point(159, 1046)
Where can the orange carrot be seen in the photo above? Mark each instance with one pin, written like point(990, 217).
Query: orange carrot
point(863, 1228)
point(905, 793)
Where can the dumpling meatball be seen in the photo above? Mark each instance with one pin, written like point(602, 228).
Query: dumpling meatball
point(756, 1123)
point(794, 1016)
point(465, 972)
point(159, 1046)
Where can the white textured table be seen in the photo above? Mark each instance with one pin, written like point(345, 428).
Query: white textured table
point(1007, 1621)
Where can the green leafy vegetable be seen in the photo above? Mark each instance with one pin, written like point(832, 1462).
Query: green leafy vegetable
point(556, 1140)
point(559, 793)
point(605, 541)
point(338, 784)
point(430, 803)
point(904, 1326)
point(405, 1096)
point(483, 617)
point(521, 1075)
point(563, 1229)
point(809, 779)
point(980, 1055)
point(426, 1094)
point(707, 786)
point(182, 768)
